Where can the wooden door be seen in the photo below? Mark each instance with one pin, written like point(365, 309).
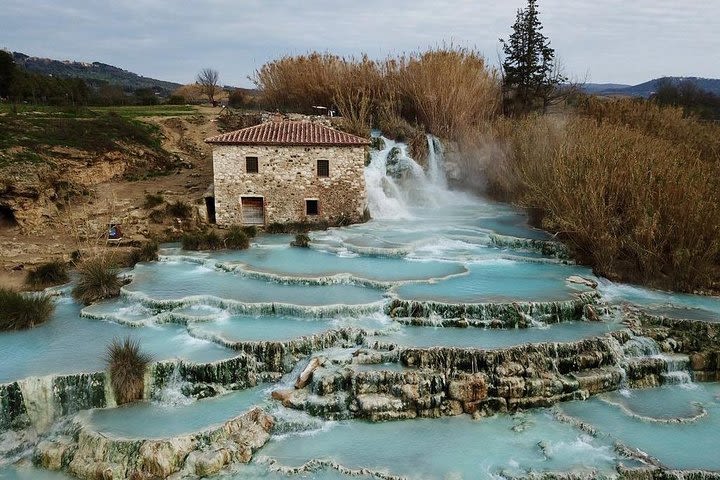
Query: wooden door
point(253, 210)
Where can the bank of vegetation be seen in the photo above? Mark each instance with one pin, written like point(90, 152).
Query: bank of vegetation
point(631, 185)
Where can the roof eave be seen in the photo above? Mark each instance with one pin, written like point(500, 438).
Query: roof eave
point(287, 144)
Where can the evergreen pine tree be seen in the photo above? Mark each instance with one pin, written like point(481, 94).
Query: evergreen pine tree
point(530, 74)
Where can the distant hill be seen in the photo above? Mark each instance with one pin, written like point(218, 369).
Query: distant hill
point(647, 88)
point(94, 73)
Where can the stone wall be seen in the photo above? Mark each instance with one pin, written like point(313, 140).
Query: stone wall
point(286, 177)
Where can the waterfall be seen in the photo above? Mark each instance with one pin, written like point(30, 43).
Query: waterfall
point(171, 393)
point(396, 183)
point(677, 367)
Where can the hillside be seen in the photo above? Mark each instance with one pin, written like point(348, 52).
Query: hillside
point(645, 89)
point(93, 73)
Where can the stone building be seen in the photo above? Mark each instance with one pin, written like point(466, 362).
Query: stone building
point(288, 171)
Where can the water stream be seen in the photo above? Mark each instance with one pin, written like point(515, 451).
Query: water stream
point(426, 244)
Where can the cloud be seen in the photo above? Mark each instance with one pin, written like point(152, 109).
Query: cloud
point(612, 40)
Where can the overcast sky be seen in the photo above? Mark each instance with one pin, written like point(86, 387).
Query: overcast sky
point(618, 41)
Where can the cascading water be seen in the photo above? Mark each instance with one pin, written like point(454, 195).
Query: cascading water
point(396, 183)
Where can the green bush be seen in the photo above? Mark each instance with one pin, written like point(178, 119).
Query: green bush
point(250, 230)
point(127, 364)
point(209, 240)
point(212, 241)
point(153, 200)
point(148, 252)
point(20, 311)
point(301, 240)
point(98, 280)
point(48, 274)
point(179, 209)
point(236, 238)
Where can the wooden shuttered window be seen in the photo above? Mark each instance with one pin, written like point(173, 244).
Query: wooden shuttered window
point(253, 212)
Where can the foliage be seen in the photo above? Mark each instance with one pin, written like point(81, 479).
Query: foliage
point(127, 364)
point(250, 230)
point(688, 95)
point(202, 240)
point(157, 216)
point(530, 71)
point(147, 252)
point(635, 198)
point(302, 240)
point(99, 279)
point(208, 79)
point(7, 69)
point(179, 209)
point(236, 238)
point(48, 274)
point(445, 89)
point(20, 311)
point(152, 200)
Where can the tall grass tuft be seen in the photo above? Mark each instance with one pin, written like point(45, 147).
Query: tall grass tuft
point(236, 238)
point(98, 280)
point(21, 311)
point(127, 364)
point(48, 274)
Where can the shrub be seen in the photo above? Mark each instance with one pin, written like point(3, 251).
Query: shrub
point(127, 364)
point(98, 280)
point(301, 240)
point(250, 230)
point(212, 241)
point(157, 216)
point(630, 203)
point(179, 209)
point(20, 311)
point(209, 240)
point(236, 238)
point(153, 200)
point(148, 252)
point(446, 89)
point(48, 274)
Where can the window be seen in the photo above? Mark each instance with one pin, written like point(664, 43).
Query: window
point(311, 207)
point(251, 164)
point(253, 212)
point(323, 168)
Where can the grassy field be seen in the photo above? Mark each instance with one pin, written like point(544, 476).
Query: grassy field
point(27, 134)
point(129, 111)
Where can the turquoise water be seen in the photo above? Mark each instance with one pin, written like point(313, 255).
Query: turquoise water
point(426, 243)
point(671, 304)
point(308, 262)
point(239, 328)
point(499, 280)
point(456, 447)
point(28, 472)
point(159, 420)
point(678, 445)
point(68, 343)
point(186, 280)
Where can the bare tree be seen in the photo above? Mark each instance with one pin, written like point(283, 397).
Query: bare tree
point(208, 79)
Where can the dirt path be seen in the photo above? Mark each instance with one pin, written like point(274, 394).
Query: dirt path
point(119, 200)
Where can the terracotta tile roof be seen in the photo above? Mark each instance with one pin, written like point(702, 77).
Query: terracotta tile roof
point(288, 133)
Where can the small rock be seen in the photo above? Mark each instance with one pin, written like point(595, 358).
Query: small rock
point(582, 281)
